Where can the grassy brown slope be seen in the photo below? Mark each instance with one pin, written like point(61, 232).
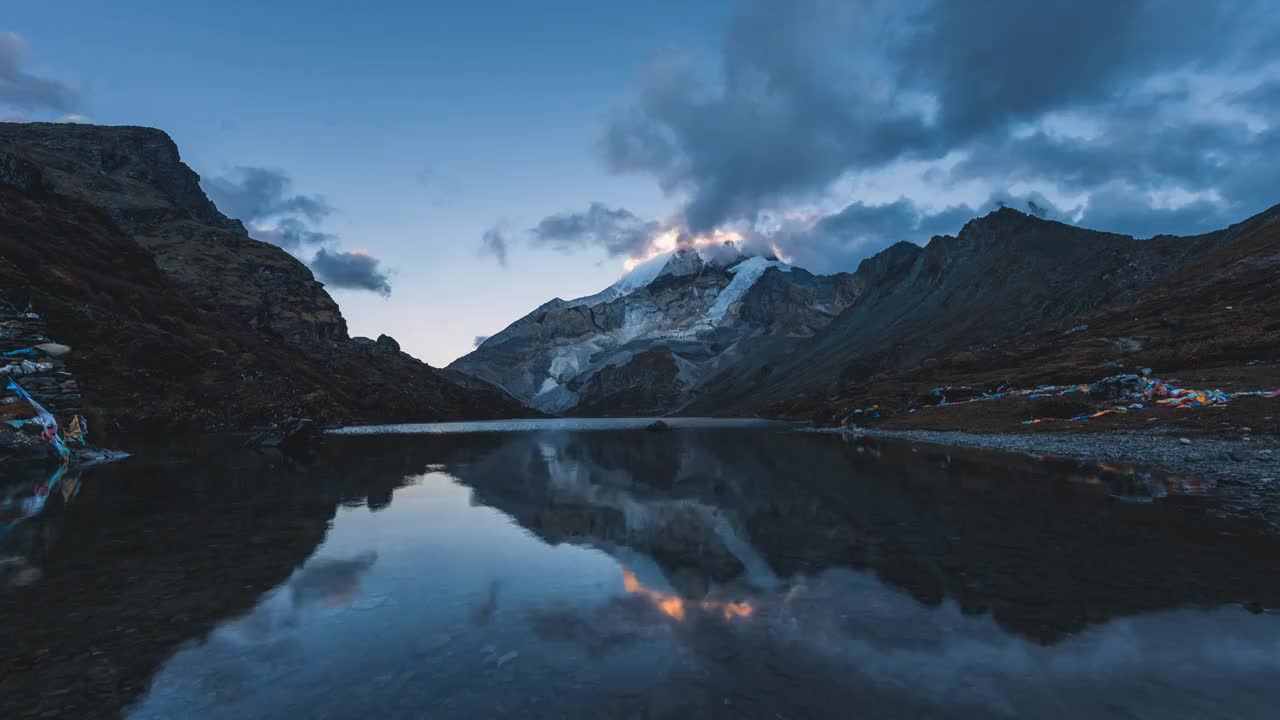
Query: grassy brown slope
point(1213, 324)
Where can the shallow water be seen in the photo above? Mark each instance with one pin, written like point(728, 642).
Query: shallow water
point(702, 572)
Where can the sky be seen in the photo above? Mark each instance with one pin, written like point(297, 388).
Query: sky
point(444, 168)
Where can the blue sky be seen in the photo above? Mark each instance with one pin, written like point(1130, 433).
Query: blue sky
point(422, 124)
point(572, 134)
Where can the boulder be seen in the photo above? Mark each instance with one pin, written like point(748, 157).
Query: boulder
point(287, 435)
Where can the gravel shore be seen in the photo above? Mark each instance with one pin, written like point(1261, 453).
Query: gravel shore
point(1248, 460)
point(1246, 470)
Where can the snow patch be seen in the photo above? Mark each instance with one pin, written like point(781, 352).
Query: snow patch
point(567, 361)
point(745, 274)
point(640, 276)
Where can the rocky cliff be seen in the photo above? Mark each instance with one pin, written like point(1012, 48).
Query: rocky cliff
point(175, 315)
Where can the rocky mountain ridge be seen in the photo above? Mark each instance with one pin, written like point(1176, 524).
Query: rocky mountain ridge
point(654, 345)
point(176, 317)
point(1212, 323)
point(1002, 275)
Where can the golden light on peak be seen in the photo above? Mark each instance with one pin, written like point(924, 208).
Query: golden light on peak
point(670, 239)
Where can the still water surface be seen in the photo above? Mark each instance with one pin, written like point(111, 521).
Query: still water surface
point(547, 571)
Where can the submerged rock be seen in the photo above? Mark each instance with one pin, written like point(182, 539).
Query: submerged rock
point(287, 435)
point(657, 426)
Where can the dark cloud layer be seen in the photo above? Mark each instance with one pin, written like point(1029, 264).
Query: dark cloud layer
point(256, 194)
point(351, 270)
point(620, 232)
point(787, 115)
point(1154, 116)
point(263, 199)
point(838, 241)
point(24, 91)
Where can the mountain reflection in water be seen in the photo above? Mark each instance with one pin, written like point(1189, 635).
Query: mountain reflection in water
point(696, 573)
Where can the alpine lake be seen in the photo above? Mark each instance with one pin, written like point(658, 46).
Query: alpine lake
point(593, 569)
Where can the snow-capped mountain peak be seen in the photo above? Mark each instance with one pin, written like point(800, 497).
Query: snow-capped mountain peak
point(676, 263)
point(648, 341)
point(638, 277)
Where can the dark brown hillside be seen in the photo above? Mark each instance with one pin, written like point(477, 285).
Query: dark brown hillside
point(1212, 324)
point(176, 317)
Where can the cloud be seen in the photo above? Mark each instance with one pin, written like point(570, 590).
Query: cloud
point(1157, 116)
point(255, 194)
point(22, 90)
point(264, 200)
point(75, 119)
point(479, 340)
point(291, 233)
point(356, 270)
point(838, 241)
point(495, 242)
point(618, 231)
point(794, 106)
point(1051, 55)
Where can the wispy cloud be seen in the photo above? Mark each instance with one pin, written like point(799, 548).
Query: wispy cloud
point(494, 242)
point(263, 199)
point(26, 91)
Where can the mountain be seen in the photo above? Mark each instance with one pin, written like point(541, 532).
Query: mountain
point(1213, 322)
point(680, 334)
point(176, 316)
point(645, 345)
point(1002, 275)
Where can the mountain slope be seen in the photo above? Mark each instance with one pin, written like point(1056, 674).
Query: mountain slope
point(1003, 275)
point(1212, 323)
point(176, 316)
point(689, 336)
point(644, 345)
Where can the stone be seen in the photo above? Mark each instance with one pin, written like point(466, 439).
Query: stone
point(290, 434)
point(1185, 441)
point(53, 349)
point(657, 426)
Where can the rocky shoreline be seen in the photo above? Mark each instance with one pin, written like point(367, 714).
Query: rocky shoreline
point(1250, 463)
